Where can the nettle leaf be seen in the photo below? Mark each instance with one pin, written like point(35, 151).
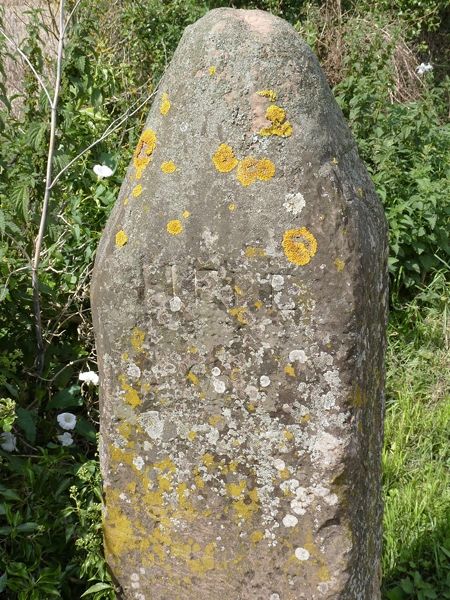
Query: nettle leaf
point(20, 197)
point(36, 134)
point(60, 160)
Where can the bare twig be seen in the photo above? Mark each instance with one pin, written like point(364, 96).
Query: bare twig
point(40, 237)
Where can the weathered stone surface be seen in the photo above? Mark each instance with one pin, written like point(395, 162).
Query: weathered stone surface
point(239, 298)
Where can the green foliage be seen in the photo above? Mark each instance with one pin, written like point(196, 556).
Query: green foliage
point(416, 456)
point(50, 527)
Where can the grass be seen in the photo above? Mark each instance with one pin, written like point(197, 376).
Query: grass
point(416, 456)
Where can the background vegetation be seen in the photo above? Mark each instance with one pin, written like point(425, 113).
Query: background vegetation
point(115, 52)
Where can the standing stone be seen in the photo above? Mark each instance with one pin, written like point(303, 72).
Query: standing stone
point(239, 299)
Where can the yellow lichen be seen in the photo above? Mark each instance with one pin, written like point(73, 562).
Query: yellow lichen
point(254, 252)
point(340, 264)
point(237, 312)
point(121, 238)
point(131, 395)
point(137, 339)
point(144, 149)
point(137, 191)
point(289, 370)
point(192, 378)
point(165, 106)
point(276, 115)
point(359, 190)
point(168, 167)
point(212, 70)
point(186, 214)
point(299, 245)
point(174, 227)
point(224, 159)
point(256, 536)
point(192, 435)
point(270, 94)
point(231, 207)
point(208, 460)
point(125, 202)
point(250, 169)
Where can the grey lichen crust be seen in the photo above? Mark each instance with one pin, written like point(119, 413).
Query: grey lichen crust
point(239, 299)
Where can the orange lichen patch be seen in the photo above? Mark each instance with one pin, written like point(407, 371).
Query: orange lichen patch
point(174, 227)
point(254, 252)
point(137, 191)
point(250, 169)
point(165, 105)
point(144, 149)
point(299, 245)
point(121, 238)
point(168, 167)
point(224, 159)
point(212, 70)
point(289, 370)
point(276, 115)
point(340, 264)
point(137, 339)
point(270, 94)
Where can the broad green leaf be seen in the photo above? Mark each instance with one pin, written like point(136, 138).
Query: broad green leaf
point(2, 221)
point(97, 587)
point(3, 580)
point(8, 494)
point(87, 430)
point(26, 421)
point(69, 397)
point(27, 527)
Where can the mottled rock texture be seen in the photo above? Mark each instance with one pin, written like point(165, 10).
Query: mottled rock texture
point(239, 298)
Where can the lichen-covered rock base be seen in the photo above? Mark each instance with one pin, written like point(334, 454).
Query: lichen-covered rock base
point(239, 299)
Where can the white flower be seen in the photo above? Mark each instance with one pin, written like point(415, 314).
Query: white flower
point(423, 68)
point(89, 376)
point(66, 439)
point(8, 441)
point(67, 420)
point(102, 171)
